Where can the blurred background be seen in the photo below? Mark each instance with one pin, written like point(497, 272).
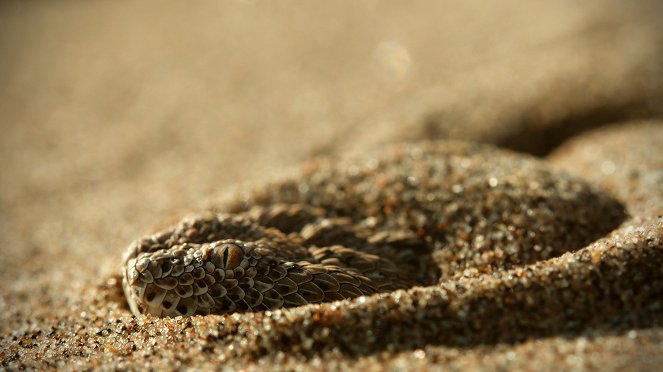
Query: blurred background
point(119, 117)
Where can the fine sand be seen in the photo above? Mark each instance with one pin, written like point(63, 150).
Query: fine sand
point(119, 118)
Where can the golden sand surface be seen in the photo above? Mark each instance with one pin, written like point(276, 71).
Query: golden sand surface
point(119, 118)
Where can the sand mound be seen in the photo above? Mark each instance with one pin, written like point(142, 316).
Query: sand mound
point(474, 208)
point(623, 160)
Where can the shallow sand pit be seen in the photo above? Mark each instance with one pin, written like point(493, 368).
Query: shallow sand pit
point(474, 208)
point(405, 215)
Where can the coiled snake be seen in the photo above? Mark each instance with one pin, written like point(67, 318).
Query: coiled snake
point(341, 230)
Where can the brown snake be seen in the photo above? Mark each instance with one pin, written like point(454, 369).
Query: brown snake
point(221, 263)
point(343, 230)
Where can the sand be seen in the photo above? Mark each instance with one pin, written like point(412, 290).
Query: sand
point(120, 118)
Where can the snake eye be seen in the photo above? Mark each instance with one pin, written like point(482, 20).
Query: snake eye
point(231, 255)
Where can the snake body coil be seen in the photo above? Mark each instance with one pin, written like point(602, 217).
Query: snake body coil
point(406, 216)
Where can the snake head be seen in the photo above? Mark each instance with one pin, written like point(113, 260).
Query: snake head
point(189, 279)
point(229, 276)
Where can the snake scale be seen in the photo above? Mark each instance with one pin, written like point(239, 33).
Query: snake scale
point(342, 229)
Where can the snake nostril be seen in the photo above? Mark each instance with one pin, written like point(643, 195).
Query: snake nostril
point(182, 309)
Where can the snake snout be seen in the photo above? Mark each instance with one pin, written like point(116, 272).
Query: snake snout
point(190, 279)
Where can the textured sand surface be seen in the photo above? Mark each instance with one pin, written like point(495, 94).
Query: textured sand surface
point(119, 118)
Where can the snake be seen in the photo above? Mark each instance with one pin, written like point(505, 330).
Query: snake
point(342, 229)
point(219, 263)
